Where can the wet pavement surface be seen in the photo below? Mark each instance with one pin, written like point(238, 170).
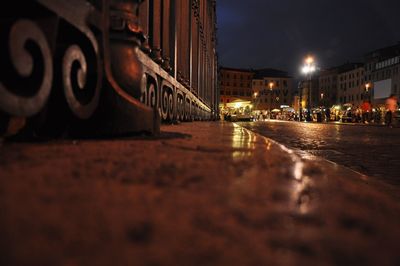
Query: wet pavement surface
point(200, 194)
point(371, 150)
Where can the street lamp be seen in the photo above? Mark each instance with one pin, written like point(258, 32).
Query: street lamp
point(300, 88)
point(308, 69)
point(271, 86)
point(367, 87)
point(255, 100)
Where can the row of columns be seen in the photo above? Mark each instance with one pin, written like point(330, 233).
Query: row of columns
point(181, 36)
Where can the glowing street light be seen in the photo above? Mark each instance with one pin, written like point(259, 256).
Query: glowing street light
point(367, 86)
point(255, 100)
point(271, 86)
point(308, 69)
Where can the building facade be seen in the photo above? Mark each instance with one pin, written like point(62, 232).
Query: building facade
point(353, 89)
point(272, 89)
point(350, 84)
point(382, 73)
point(327, 92)
point(235, 84)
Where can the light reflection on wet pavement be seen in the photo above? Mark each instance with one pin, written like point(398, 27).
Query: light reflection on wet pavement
point(370, 150)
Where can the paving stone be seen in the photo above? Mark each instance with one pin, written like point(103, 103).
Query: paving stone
point(209, 193)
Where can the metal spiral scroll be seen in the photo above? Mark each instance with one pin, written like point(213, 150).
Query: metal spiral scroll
point(180, 106)
point(167, 103)
point(149, 93)
point(80, 80)
point(171, 104)
point(164, 103)
point(144, 89)
point(27, 69)
point(152, 95)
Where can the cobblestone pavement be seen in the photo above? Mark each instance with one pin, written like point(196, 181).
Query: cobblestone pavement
point(200, 194)
point(371, 150)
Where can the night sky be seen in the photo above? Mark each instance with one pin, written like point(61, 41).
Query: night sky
point(279, 33)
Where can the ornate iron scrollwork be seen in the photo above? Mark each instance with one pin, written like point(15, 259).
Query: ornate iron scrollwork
point(180, 106)
point(149, 95)
point(80, 82)
point(53, 58)
point(167, 107)
point(27, 69)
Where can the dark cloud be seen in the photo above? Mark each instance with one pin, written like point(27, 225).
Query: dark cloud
point(260, 33)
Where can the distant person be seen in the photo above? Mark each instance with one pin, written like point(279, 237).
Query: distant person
point(358, 115)
point(328, 114)
point(378, 115)
point(366, 111)
point(391, 107)
point(351, 115)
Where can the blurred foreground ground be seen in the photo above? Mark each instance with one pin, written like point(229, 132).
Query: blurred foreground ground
point(200, 194)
